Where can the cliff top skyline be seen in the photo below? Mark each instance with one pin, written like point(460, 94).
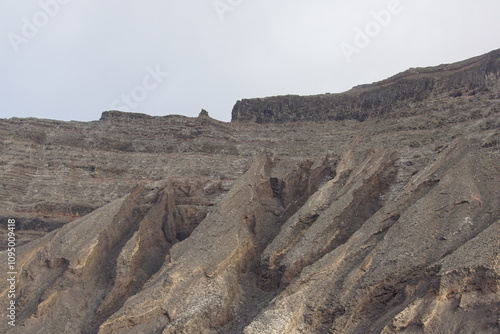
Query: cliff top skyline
point(69, 60)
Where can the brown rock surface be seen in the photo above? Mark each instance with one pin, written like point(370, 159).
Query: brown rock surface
point(142, 224)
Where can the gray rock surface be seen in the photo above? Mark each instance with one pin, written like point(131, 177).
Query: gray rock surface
point(405, 92)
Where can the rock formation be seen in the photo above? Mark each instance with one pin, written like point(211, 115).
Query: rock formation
point(400, 94)
point(370, 211)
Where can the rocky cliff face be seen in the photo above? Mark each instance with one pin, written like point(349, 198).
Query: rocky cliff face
point(404, 92)
point(141, 224)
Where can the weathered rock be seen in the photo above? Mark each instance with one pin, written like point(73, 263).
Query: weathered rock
point(102, 259)
point(395, 273)
point(402, 91)
point(147, 224)
point(330, 216)
point(212, 261)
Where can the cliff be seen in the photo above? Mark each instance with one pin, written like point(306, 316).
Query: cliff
point(147, 224)
point(401, 93)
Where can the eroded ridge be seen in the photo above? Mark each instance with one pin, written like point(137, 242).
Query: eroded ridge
point(142, 224)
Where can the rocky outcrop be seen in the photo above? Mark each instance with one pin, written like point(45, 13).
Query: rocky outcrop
point(330, 217)
point(393, 274)
point(103, 258)
point(137, 238)
point(291, 248)
point(142, 224)
point(406, 90)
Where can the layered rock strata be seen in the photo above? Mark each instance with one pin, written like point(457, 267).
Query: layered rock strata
point(142, 224)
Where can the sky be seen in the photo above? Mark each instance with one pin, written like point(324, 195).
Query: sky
point(74, 59)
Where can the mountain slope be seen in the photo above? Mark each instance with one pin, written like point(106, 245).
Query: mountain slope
point(141, 224)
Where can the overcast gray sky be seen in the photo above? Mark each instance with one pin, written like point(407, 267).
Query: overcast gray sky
point(73, 59)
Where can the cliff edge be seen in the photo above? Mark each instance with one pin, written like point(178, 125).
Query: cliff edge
point(401, 94)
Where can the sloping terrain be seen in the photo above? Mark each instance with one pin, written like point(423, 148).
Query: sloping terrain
point(310, 223)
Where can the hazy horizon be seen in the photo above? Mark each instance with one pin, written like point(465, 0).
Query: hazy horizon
point(70, 60)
